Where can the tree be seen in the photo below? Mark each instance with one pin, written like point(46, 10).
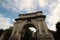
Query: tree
point(57, 33)
point(1, 31)
point(28, 34)
point(7, 33)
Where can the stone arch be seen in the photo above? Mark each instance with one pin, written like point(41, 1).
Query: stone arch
point(26, 26)
point(29, 25)
point(34, 19)
point(35, 26)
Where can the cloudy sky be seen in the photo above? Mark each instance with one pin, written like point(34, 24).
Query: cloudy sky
point(10, 9)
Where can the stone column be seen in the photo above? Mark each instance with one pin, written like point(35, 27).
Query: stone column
point(18, 34)
point(14, 29)
point(39, 26)
point(14, 35)
point(45, 27)
point(2, 36)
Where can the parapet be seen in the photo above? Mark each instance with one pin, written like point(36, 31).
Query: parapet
point(30, 15)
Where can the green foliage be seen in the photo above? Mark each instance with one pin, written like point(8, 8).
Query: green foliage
point(28, 35)
point(57, 33)
point(6, 32)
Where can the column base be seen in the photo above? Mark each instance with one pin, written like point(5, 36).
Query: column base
point(45, 38)
point(13, 38)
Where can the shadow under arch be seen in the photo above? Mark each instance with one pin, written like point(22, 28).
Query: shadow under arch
point(28, 25)
point(26, 28)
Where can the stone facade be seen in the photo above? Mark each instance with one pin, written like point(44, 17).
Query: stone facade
point(36, 19)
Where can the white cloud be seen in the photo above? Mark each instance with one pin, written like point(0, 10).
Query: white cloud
point(54, 16)
point(32, 29)
point(18, 5)
point(30, 6)
point(43, 3)
point(13, 20)
point(52, 6)
point(4, 22)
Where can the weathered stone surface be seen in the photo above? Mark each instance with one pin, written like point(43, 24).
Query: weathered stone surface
point(2, 36)
point(36, 19)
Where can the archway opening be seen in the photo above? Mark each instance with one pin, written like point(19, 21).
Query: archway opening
point(29, 32)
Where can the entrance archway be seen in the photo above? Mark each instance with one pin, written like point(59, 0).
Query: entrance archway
point(29, 32)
